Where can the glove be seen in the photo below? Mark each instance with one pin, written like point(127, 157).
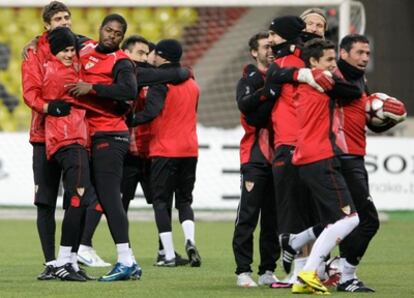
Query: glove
point(58, 108)
point(253, 77)
point(323, 79)
point(130, 119)
point(121, 107)
point(394, 110)
point(317, 78)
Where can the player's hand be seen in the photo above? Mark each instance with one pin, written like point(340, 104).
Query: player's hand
point(253, 76)
point(323, 79)
point(32, 45)
point(130, 120)
point(318, 79)
point(394, 110)
point(79, 88)
point(58, 108)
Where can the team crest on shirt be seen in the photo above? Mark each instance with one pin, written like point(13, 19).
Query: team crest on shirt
point(89, 65)
point(80, 191)
point(249, 185)
point(347, 209)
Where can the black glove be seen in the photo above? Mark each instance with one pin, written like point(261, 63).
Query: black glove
point(130, 119)
point(121, 107)
point(58, 108)
point(272, 86)
point(253, 76)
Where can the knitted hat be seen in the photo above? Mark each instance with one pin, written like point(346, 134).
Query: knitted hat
point(151, 46)
point(287, 27)
point(169, 49)
point(61, 38)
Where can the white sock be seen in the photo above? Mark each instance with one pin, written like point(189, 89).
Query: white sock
point(74, 261)
point(124, 254)
point(53, 263)
point(297, 241)
point(64, 255)
point(134, 261)
point(188, 229)
point(348, 271)
point(298, 264)
point(167, 242)
point(84, 247)
point(161, 252)
point(327, 240)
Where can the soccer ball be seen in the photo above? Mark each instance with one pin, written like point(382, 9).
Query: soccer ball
point(374, 109)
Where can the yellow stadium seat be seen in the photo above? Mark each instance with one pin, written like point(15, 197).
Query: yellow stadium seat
point(29, 15)
point(141, 15)
point(11, 30)
point(172, 30)
point(164, 14)
point(81, 28)
point(77, 14)
point(8, 16)
point(95, 15)
point(22, 115)
point(186, 15)
point(123, 11)
point(6, 120)
point(150, 30)
point(32, 29)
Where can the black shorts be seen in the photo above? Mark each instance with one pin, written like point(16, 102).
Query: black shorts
point(46, 175)
point(329, 189)
point(356, 177)
point(295, 208)
point(136, 170)
point(171, 176)
point(74, 160)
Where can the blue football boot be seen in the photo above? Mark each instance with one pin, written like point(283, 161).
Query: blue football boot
point(136, 271)
point(119, 272)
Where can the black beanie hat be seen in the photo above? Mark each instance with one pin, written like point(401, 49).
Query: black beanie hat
point(151, 46)
point(169, 49)
point(287, 27)
point(60, 38)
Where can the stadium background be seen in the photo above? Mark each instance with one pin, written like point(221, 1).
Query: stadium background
point(215, 43)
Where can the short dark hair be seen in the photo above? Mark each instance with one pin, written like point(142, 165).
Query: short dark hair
point(314, 49)
point(53, 8)
point(254, 40)
point(118, 18)
point(132, 40)
point(348, 41)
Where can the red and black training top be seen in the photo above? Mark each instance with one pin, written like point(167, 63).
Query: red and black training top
point(320, 134)
point(256, 144)
point(114, 83)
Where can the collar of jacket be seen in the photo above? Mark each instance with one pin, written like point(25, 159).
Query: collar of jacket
point(284, 49)
point(170, 65)
point(105, 50)
point(351, 73)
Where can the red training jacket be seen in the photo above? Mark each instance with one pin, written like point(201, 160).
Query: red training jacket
point(70, 129)
point(173, 131)
point(140, 135)
point(320, 131)
point(285, 124)
point(32, 76)
point(97, 69)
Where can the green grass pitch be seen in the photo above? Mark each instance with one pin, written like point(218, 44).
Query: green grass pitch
point(388, 265)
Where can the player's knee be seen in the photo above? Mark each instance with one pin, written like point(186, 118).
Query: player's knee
point(159, 205)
